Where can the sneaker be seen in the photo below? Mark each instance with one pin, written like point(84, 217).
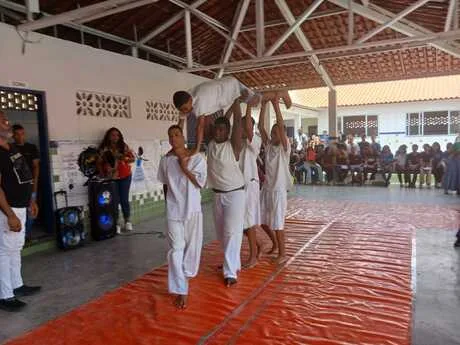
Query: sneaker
point(457, 243)
point(128, 226)
point(26, 290)
point(118, 229)
point(12, 304)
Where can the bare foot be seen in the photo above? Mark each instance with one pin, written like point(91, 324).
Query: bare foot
point(181, 301)
point(279, 260)
point(229, 282)
point(273, 250)
point(284, 95)
point(268, 96)
point(250, 263)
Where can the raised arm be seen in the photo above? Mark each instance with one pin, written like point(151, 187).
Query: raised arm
point(248, 123)
point(261, 125)
point(280, 124)
point(237, 130)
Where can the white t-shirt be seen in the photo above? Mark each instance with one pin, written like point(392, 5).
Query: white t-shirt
point(183, 197)
point(354, 147)
point(224, 173)
point(277, 175)
point(214, 95)
point(248, 158)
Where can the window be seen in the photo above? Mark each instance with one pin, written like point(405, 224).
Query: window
point(433, 123)
point(454, 122)
point(359, 124)
point(18, 101)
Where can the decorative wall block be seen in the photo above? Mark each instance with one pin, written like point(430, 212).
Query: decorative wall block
point(91, 103)
point(18, 101)
point(161, 111)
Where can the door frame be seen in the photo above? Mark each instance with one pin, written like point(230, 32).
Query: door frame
point(45, 158)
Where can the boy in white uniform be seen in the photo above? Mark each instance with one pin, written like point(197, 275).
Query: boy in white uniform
point(248, 165)
point(184, 175)
point(227, 181)
point(212, 96)
point(278, 180)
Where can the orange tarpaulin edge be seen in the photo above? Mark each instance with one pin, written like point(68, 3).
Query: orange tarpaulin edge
point(345, 283)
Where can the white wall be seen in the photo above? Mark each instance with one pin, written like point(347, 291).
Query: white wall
point(60, 68)
point(392, 118)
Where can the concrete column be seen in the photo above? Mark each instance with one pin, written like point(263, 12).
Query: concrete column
point(332, 111)
point(298, 124)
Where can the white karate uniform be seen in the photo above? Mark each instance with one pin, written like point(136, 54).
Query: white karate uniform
point(248, 165)
point(185, 219)
point(278, 181)
point(224, 175)
point(11, 244)
point(214, 95)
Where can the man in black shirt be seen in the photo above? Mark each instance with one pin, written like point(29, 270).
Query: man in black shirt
point(15, 198)
point(30, 152)
point(413, 165)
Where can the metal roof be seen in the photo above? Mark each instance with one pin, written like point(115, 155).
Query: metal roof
point(324, 42)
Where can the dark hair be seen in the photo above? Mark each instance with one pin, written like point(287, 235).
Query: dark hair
point(180, 98)
point(121, 146)
point(222, 121)
point(252, 119)
point(175, 127)
point(16, 127)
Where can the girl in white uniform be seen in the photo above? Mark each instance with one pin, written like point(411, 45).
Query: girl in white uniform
point(184, 174)
point(248, 165)
point(278, 180)
point(227, 182)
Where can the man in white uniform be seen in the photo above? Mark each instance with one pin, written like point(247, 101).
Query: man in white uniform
point(278, 180)
point(227, 181)
point(184, 175)
point(248, 164)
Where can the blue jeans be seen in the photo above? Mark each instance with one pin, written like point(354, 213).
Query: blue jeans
point(29, 223)
point(123, 196)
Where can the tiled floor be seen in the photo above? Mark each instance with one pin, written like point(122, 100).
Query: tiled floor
point(72, 278)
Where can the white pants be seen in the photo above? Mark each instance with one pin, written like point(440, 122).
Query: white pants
point(185, 241)
point(252, 214)
point(229, 210)
point(273, 207)
point(11, 244)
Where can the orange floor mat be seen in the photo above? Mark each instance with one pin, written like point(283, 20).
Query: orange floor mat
point(346, 282)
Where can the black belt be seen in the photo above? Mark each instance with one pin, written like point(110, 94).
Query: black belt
point(227, 191)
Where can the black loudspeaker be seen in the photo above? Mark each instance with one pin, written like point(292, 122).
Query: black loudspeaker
point(103, 208)
point(70, 230)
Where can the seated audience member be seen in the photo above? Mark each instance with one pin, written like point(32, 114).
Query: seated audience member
point(386, 163)
point(310, 164)
point(370, 161)
point(400, 165)
point(351, 145)
point(375, 145)
point(362, 143)
point(438, 168)
point(328, 159)
point(413, 166)
point(451, 181)
point(356, 166)
point(426, 164)
point(342, 162)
